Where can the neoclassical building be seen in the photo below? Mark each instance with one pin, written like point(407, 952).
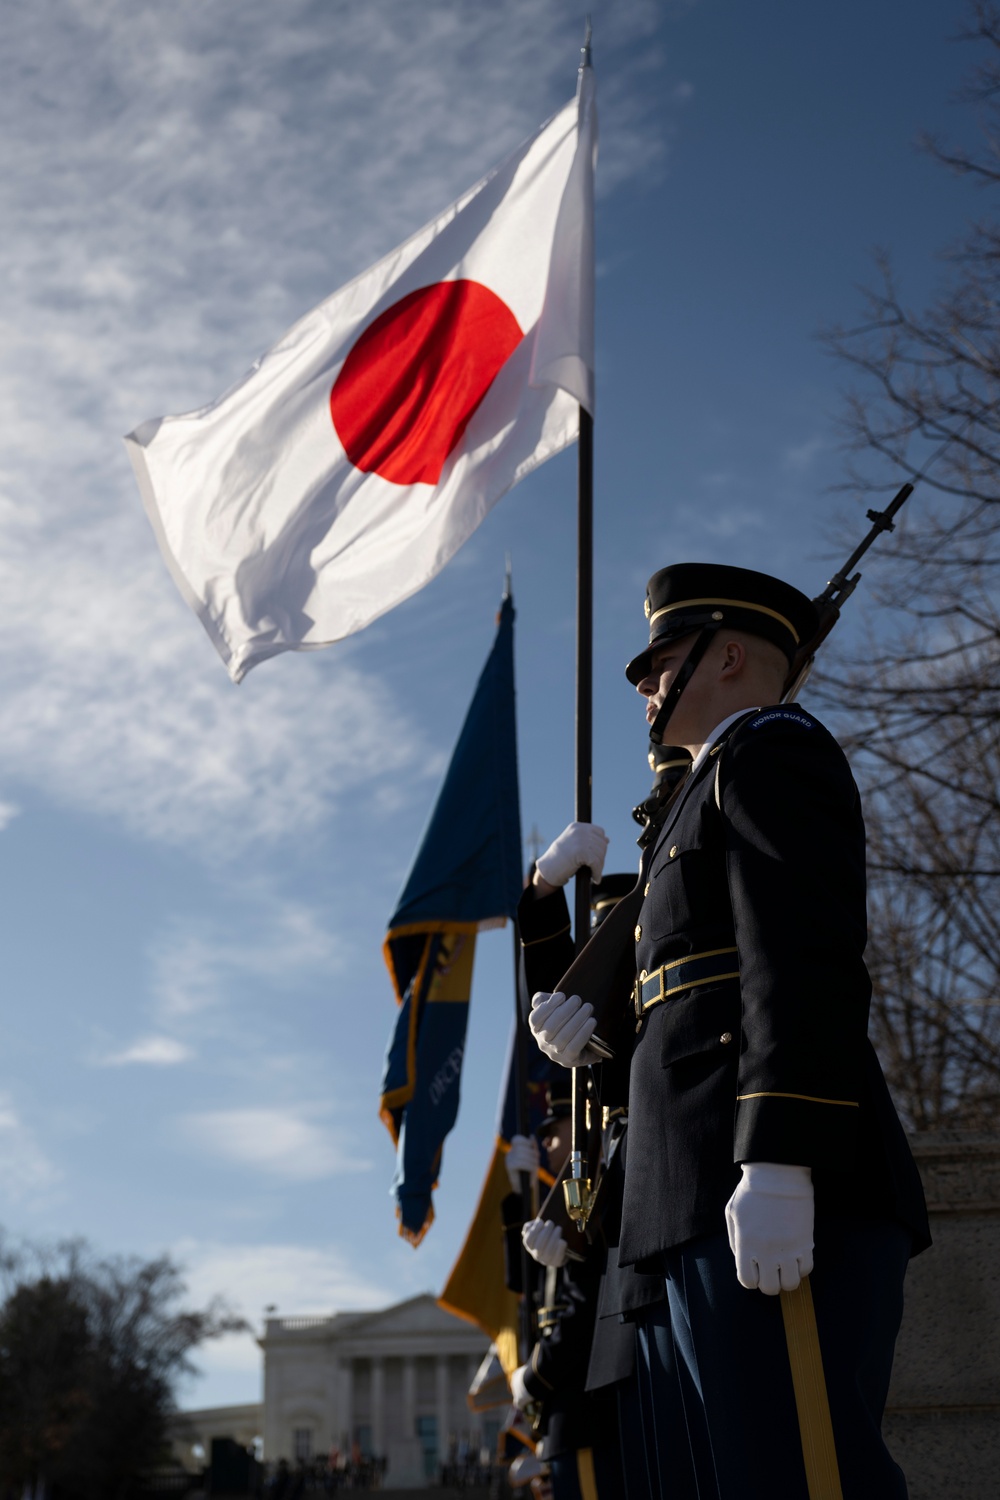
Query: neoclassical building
point(393, 1382)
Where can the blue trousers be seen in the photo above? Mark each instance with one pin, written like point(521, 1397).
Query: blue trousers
point(635, 1471)
point(720, 1416)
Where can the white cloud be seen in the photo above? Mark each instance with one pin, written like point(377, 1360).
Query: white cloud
point(8, 812)
point(194, 969)
point(242, 171)
point(285, 1143)
point(25, 1170)
point(295, 1279)
point(200, 978)
point(155, 1051)
point(799, 457)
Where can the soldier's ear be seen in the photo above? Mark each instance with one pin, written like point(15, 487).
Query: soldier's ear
point(734, 656)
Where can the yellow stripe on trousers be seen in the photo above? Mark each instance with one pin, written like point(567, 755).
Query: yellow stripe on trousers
point(819, 1452)
point(585, 1473)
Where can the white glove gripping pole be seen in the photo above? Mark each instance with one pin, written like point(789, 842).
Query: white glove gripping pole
point(770, 1224)
point(522, 1157)
point(562, 1026)
point(522, 1397)
point(578, 845)
point(544, 1242)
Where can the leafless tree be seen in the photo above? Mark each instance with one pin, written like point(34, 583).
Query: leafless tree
point(924, 698)
point(90, 1353)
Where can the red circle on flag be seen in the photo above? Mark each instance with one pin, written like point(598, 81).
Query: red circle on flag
point(408, 388)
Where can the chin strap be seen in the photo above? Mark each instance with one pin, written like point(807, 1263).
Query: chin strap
point(680, 682)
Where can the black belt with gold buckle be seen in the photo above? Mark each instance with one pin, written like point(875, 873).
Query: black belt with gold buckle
point(684, 974)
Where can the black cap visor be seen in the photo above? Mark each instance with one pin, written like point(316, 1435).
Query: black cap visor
point(755, 619)
point(673, 630)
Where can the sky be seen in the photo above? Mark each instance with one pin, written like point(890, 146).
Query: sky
point(195, 878)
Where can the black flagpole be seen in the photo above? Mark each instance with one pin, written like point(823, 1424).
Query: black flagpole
point(522, 1069)
point(584, 709)
point(584, 725)
point(529, 1205)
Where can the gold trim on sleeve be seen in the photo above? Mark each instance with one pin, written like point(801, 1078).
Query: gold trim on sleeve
point(809, 1098)
point(547, 938)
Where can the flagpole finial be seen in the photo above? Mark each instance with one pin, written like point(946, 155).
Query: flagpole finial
point(508, 575)
point(585, 49)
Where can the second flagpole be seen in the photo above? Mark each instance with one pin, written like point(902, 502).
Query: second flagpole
point(583, 810)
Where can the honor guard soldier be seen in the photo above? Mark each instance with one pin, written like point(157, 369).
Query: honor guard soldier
point(580, 1444)
point(768, 1177)
point(621, 1292)
point(579, 1438)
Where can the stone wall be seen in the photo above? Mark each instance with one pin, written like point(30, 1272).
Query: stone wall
point(943, 1418)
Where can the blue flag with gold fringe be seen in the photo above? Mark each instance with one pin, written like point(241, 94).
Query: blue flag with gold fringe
point(466, 876)
point(476, 1289)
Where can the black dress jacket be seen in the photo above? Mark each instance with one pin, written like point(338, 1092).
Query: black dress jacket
point(752, 1040)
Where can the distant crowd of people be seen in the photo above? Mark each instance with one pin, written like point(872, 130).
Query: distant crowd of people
point(466, 1468)
point(326, 1474)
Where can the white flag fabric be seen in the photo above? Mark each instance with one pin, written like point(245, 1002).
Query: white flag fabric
point(359, 453)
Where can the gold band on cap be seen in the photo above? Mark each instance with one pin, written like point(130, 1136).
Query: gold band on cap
point(761, 609)
point(608, 901)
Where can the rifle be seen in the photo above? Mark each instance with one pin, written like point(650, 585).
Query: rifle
point(603, 973)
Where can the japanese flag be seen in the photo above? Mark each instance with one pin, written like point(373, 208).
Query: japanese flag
point(358, 454)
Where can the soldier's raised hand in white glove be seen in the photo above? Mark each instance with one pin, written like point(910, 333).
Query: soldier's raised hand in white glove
point(520, 1394)
point(544, 1242)
point(562, 1026)
point(770, 1224)
point(522, 1157)
point(578, 845)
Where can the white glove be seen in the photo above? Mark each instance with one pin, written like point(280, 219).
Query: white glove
point(544, 1242)
point(519, 1391)
point(578, 845)
point(523, 1470)
point(522, 1157)
point(562, 1026)
point(770, 1224)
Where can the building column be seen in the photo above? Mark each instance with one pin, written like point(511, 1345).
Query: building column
point(441, 1406)
point(409, 1397)
point(343, 1434)
point(378, 1406)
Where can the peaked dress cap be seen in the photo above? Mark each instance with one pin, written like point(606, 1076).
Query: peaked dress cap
point(558, 1101)
point(688, 596)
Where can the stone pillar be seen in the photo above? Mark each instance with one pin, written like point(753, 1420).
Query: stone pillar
point(409, 1398)
point(441, 1406)
point(344, 1432)
point(378, 1406)
point(943, 1414)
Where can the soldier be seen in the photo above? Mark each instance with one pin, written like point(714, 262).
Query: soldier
point(761, 1131)
point(621, 1293)
point(579, 1431)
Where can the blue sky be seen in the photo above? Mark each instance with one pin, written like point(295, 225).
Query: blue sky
point(195, 878)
